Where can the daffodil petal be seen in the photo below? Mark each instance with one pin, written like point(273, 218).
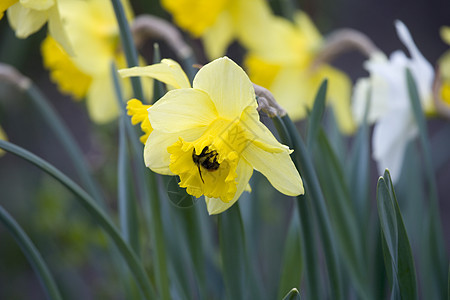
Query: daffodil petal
point(168, 71)
point(37, 4)
point(101, 99)
point(277, 167)
point(172, 113)
point(56, 30)
point(258, 134)
point(228, 86)
point(244, 173)
point(156, 156)
point(217, 37)
point(25, 21)
point(390, 137)
point(4, 5)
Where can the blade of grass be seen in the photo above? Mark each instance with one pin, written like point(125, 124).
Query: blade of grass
point(151, 201)
point(292, 265)
point(316, 115)
point(292, 295)
point(66, 139)
point(233, 253)
point(32, 254)
point(405, 264)
point(304, 162)
point(435, 254)
point(94, 210)
point(128, 46)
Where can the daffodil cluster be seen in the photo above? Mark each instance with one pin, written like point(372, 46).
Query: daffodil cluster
point(210, 135)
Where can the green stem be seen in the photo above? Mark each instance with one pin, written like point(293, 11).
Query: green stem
point(128, 46)
point(307, 226)
point(312, 186)
point(96, 212)
point(66, 139)
point(32, 254)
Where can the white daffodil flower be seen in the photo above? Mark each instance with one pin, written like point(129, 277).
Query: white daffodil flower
point(389, 106)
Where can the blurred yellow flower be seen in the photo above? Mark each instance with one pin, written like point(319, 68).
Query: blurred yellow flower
point(63, 70)
point(218, 22)
point(95, 43)
point(2, 137)
point(28, 16)
point(281, 59)
point(211, 137)
point(444, 67)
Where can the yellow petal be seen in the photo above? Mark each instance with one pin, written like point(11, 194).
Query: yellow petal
point(182, 109)
point(219, 36)
point(244, 173)
point(139, 114)
point(277, 167)
point(445, 34)
point(26, 21)
point(228, 86)
point(4, 5)
point(101, 99)
point(56, 30)
point(168, 71)
point(156, 156)
point(339, 90)
point(2, 137)
point(37, 4)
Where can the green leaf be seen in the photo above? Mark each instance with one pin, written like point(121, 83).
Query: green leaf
point(32, 254)
point(303, 162)
point(292, 295)
point(316, 114)
point(96, 212)
point(233, 253)
point(396, 245)
point(178, 195)
point(342, 212)
point(291, 269)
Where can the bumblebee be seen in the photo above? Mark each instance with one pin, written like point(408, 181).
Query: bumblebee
point(207, 159)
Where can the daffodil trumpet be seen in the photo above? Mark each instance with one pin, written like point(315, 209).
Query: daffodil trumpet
point(211, 137)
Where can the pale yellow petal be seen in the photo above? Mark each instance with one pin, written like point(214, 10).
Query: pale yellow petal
point(37, 4)
point(277, 167)
point(25, 21)
point(182, 109)
point(339, 91)
point(219, 36)
point(308, 29)
point(101, 99)
point(168, 71)
point(156, 156)
point(56, 30)
point(228, 86)
point(244, 173)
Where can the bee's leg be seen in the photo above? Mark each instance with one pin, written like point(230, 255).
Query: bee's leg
point(200, 172)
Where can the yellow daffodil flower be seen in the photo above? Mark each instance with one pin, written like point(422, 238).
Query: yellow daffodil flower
point(218, 22)
point(87, 74)
point(28, 16)
point(211, 137)
point(282, 60)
